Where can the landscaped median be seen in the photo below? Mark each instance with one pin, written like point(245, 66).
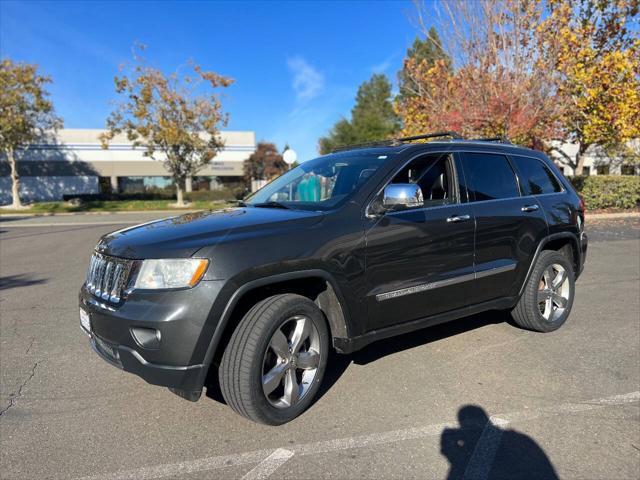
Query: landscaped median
point(47, 208)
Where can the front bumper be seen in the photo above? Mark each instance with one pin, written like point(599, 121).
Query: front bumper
point(182, 378)
point(179, 317)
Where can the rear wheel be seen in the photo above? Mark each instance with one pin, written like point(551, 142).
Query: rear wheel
point(275, 360)
point(548, 296)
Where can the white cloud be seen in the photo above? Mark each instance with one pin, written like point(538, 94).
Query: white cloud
point(308, 82)
point(383, 66)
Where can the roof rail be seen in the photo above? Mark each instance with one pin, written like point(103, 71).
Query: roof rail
point(500, 139)
point(400, 141)
point(451, 134)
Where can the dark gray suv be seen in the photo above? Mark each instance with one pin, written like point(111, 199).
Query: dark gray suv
point(347, 249)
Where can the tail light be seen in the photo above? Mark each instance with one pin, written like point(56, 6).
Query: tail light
point(583, 206)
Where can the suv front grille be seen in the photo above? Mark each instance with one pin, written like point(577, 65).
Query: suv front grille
point(107, 277)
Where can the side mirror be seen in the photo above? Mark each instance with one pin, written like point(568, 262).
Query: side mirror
point(400, 196)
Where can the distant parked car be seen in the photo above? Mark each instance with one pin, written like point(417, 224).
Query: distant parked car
point(341, 251)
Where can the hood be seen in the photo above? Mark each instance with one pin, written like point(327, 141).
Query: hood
point(184, 235)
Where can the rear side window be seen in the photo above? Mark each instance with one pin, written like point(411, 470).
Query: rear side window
point(535, 176)
point(489, 177)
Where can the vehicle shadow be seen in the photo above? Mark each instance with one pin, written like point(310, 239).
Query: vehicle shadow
point(389, 346)
point(337, 363)
point(20, 280)
point(481, 449)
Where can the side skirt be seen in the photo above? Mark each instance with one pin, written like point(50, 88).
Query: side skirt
point(349, 345)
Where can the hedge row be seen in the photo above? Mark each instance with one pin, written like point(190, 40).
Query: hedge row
point(608, 191)
point(221, 194)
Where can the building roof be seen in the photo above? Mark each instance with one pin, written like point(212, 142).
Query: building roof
point(91, 136)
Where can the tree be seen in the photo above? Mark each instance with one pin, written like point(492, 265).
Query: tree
point(26, 113)
point(596, 57)
point(500, 86)
point(265, 163)
point(175, 117)
point(429, 50)
point(372, 117)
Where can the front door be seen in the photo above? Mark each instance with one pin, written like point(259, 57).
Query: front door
point(419, 262)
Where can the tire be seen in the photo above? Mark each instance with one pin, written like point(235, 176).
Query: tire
point(541, 308)
point(282, 341)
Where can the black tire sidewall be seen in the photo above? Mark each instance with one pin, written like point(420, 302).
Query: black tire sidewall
point(294, 305)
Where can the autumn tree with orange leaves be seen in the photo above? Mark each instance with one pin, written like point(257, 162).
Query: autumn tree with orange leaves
point(175, 118)
point(496, 87)
point(595, 57)
point(532, 71)
point(266, 163)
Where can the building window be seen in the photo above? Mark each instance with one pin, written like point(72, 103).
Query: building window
point(586, 171)
point(105, 185)
point(144, 184)
point(628, 170)
point(201, 183)
point(603, 169)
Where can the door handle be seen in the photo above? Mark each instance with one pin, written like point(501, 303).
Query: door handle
point(458, 218)
point(529, 208)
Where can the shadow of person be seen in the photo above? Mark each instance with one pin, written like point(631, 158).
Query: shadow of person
point(481, 449)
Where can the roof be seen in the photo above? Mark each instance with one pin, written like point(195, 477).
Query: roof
point(397, 148)
point(397, 145)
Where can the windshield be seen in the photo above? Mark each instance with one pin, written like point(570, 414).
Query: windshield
point(319, 184)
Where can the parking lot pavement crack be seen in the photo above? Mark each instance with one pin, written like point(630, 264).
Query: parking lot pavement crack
point(33, 339)
point(14, 396)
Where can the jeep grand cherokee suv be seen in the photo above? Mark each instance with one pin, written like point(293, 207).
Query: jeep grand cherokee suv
point(341, 251)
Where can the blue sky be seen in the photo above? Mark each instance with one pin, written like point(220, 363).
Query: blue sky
point(296, 66)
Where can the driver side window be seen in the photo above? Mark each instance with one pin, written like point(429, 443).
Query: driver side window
point(433, 174)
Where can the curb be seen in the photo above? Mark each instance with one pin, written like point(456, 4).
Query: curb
point(607, 216)
point(116, 212)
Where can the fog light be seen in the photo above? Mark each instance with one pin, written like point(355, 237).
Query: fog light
point(146, 337)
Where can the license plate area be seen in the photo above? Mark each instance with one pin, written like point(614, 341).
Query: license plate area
point(85, 321)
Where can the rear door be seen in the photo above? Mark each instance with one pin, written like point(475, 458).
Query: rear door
point(509, 226)
point(419, 262)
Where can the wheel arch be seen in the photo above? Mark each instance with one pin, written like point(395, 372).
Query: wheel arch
point(317, 285)
point(559, 242)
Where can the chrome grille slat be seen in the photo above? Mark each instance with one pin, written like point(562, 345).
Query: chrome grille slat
point(106, 281)
point(115, 285)
point(107, 276)
point(99, 273)
point(89, 279)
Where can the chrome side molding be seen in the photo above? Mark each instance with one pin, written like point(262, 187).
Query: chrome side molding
point(443, 283)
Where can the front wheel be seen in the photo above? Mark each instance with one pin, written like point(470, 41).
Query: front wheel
point(548, 296)
point(275, 360)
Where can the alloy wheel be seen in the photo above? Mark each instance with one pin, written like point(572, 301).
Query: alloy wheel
point(290, 364)
point(553, 292)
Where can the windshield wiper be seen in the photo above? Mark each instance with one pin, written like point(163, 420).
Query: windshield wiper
point(271, 205)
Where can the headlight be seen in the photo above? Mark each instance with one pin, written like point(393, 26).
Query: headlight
point(174, 273)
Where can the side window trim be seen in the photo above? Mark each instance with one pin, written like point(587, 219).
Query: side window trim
point(452, 155)
point(545, 166)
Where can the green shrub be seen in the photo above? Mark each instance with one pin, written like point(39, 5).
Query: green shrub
point(221, 194)
point(608, 191)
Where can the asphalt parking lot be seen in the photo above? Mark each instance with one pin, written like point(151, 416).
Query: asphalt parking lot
point(476, 398)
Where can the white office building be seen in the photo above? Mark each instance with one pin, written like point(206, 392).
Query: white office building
point(73, 162)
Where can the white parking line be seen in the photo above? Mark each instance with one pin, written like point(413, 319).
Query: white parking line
point(269, 465)
point(485, 445)
point(484, 453)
